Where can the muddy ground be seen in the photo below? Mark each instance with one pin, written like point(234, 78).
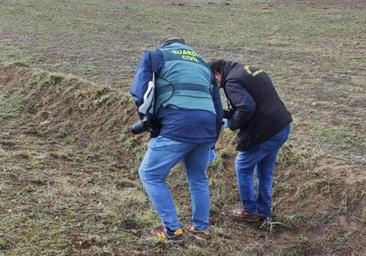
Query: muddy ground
point(69, 183)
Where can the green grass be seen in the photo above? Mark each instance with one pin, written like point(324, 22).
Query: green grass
point(317, 185)
point(312, 51)
point(336, 139)
point(291, 155)
point(12, 104)
point(51, 187)
point(71, 198)
point(3, 152)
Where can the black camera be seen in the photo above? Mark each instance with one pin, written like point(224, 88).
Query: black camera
point(141, 126)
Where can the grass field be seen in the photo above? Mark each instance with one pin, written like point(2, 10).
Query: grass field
point(314, 52)
point(68, 165)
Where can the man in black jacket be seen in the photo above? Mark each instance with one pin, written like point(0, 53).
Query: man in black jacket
point(264, 125)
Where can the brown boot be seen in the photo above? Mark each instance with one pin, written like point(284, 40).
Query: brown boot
point(241, 215)
point(199, 234)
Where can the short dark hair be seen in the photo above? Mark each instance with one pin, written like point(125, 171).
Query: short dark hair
point(217, 65)
point(170, 39)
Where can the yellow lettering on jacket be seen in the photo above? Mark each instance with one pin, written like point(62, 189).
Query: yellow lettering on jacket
point(190, 58)
point(247, 69)
point(187, 55)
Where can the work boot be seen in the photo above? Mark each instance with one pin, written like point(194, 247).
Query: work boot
point(163, 234)
point(201, 235)
point(241, 215)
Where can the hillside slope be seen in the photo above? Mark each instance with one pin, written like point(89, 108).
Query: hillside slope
point(70, 186)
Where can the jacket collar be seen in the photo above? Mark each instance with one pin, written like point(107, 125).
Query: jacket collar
point(227, 68)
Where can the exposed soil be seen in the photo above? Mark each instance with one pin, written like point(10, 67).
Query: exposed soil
point(69, 182)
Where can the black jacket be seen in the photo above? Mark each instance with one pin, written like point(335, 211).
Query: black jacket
point(269, 115)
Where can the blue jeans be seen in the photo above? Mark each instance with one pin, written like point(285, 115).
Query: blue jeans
point(263, 157)
point(162, 155)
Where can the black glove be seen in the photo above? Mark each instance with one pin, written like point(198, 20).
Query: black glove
point(228, 113)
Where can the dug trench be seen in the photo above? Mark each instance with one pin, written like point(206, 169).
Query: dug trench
point(69, 182)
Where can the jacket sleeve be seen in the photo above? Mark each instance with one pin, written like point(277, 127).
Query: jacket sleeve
point(243, 102)
point(218, 108)
point(143, 76)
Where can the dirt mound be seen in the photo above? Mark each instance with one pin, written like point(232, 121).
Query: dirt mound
point(72, 110)
point(326, 203)
point(70, 183)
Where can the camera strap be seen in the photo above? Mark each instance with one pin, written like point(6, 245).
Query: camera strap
point(147, 107)
point(154, 69)
point(154, 62)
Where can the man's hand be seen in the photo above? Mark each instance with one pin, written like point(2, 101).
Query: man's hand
point(225, 123)
point(212, 155)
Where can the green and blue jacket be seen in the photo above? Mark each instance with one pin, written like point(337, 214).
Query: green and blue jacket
point(187, 102)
